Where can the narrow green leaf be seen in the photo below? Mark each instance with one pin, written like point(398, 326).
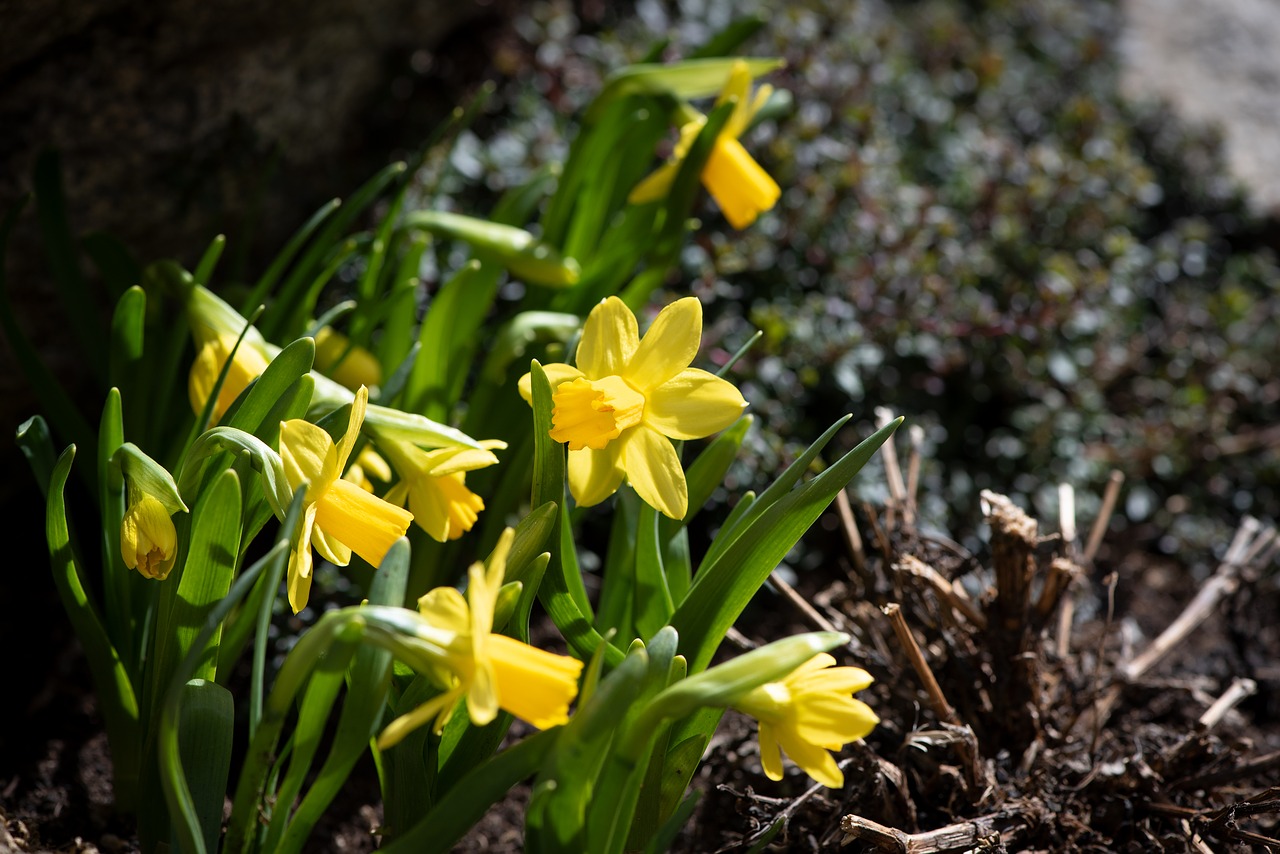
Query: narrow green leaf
point(467, 802)
point(517, 250)
point(117, 578)
point(278, 265)
point(670, 829)
point(293, 362)
point(208, 571)
point(206, 726)
point(451, 320)
point(209, 260)
point(115, 692)
point(618, 588)
point(126, 340)
point(369, 679)
point(653, 605)
point(725, 585)
point(692, 78)
point(548, 485)
point(37, 446)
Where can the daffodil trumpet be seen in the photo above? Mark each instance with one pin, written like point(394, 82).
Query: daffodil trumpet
point(461, 652)
point(339, 518)
point(740, 186)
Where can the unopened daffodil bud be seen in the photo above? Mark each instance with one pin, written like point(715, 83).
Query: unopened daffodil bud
point(148, 539)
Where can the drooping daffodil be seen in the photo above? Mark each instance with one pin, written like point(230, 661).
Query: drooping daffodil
point(490, 671)
point(148, 538)
point(808, 714)
point(741, 188)
point(619, 409)
point(338, 516)
point(434, 484)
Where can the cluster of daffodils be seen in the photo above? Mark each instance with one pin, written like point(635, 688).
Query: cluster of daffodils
point(335, 438)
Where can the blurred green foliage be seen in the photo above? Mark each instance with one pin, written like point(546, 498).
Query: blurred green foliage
point(978, 231)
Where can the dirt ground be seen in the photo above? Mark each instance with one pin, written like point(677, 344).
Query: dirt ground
point(1035, 738)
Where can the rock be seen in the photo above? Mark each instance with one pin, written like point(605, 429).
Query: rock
point(1215, 63)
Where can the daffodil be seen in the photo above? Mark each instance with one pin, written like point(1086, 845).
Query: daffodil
point(368, 463)
point(741, 188)
point(434, 484)
point(247, 364)
point(490, 671)
point(148, 539)
point(348, 364)
point(627, 398)
point(807, 714)
point(338, 516)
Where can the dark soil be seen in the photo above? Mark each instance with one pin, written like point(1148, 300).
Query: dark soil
point(1028, 763)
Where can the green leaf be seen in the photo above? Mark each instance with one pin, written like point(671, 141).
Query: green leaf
point(273, 273)
point(206, 576)
point(116, 694)
point(126, 339)
point(292, 363)
point(724, 585)
point(653, 605)
point(730, 38)
point(37, 446)
point(548, 485)
point(206, 727)
point(118, 578)
point(369, 679)
point(692, 78)
point(557, 815)
point(467, 802)
point(446, 332)
point(517, 250)
point(666, 835)
point(618, 589)
point(209, 260)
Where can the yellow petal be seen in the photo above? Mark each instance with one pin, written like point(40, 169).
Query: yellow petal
point(482, 695)
point(770, 753)
point(348, 364)
point(444, 607)
point(833, 720)
point(814, 760)
point(532, 684)
point(148, 539)
point(655, 185)
point(741, 188)
point(364, 523)
point(654, 471)
point(609, 338)
point(839, 680)
point(482, 596)
point(557, 372)
point(443, 506)
point(444, 461)
point(247, 366)
point(436, 707)
point(348, 440)
point(309, 456)
point(595, 475)
point(693, 404)
point(300, 562)
point(373, 464)
point(668, 347)
point(329, 547)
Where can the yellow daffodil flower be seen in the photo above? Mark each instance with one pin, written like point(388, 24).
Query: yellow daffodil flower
point(368, 463)
point(338, 516)
point(434, 484)
point(348, 364)
point(808, 714)
point(148, 539)
point(627, 398)
point(247, 365)
point(490, 671)
point(741, 188)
